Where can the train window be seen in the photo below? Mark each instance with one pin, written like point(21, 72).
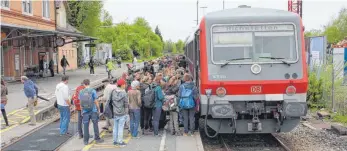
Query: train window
point(254, 42)
point(232, 45)
point(275, 44)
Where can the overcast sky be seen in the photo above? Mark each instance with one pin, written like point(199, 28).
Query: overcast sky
point(176, 18)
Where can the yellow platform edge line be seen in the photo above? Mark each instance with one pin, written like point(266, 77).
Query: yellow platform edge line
point(26, 119)
point(103, 133)
point(104, 146)
point(8, 128)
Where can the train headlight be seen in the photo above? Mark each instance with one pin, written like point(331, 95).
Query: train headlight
point(208, 92)
point(291, 90)
point(256, 69)
point(221, 91)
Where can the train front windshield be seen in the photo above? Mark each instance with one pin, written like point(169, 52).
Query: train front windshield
point(256, 43)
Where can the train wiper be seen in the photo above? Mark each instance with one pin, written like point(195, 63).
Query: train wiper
point(230, 60)
point(277, 58)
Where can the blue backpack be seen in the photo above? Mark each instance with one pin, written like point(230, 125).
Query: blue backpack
point(86, 98)
point(187, 100)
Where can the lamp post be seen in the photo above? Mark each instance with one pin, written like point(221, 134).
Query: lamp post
point(197, 12)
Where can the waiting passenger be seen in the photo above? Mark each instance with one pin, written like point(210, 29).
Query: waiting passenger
point(90, 112)
point(134, 107)
point(120, 110)
point(4, 93)
point(107, 94)
point(171, 93)
point(159, 98)
point(77, 104)
point(147, 111)
point(64, 104)
point(187, 96)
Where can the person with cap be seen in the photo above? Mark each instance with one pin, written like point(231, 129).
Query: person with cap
point(134, 107)
point(120, 108)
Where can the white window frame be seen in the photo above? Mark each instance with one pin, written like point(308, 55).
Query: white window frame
point(4, 7)
point(45, 9)
point(30, 13)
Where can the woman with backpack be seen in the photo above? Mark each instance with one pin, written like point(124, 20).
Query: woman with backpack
point(158, 99)
point(146, 113)
point(187, 96)
point(171, 94)
point(134, 107)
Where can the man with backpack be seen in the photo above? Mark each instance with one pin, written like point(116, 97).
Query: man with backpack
point(77, 104)
point(187, 96)
point(90, 111)
point(119, 102)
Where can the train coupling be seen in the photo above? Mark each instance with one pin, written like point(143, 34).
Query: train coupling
point(278, 121)
point(255, 110)
point(255, 125)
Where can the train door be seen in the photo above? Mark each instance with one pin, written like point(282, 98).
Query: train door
point(197, 58)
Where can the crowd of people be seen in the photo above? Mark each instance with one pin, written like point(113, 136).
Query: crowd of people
point(135, 101)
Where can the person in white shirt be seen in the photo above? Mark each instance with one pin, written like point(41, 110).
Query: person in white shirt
point(64, 103)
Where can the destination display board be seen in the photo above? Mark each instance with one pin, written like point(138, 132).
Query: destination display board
point(252, 28)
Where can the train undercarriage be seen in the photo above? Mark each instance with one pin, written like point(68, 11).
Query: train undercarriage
point(245, 117)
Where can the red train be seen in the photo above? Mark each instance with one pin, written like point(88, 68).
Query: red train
point(250, 67)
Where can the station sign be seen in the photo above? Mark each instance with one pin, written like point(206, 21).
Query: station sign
point(89, 45)
point(252, 28)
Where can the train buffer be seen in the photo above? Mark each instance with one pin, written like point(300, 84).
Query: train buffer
point(147, 142)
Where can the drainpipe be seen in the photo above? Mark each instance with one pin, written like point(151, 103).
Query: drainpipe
point(56, 48)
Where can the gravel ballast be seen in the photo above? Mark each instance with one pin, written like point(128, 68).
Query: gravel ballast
point(303, 138)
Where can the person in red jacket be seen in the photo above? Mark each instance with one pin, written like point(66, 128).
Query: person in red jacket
point(77, 104)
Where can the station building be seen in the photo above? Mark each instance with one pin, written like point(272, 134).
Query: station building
point(36, 29)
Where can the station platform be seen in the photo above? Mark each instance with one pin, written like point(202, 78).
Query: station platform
point(17, 112)
point(147, 142)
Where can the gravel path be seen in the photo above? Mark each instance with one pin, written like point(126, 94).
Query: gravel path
point(303, 138)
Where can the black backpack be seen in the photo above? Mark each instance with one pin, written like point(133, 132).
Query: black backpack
point(149, 98)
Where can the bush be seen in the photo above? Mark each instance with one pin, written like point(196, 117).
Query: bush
point(319, 94)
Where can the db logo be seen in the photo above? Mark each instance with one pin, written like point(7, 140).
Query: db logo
point(256, 89)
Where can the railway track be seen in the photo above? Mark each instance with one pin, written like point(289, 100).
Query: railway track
point(254, 142)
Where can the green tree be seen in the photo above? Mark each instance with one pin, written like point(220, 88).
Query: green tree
point(157, 31)
point(85, 16)
point(180, 46)
point(313, 33)
point(174, 49)
point(336, 30)
point(168, 45)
